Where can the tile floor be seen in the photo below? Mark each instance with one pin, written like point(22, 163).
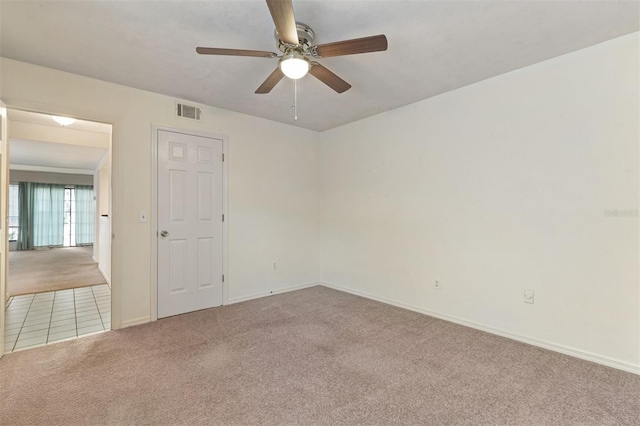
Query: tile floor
point(39, 319)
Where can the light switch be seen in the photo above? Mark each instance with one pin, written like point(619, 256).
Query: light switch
point(144, 217)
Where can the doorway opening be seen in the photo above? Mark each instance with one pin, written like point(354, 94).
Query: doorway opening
point(59, 229)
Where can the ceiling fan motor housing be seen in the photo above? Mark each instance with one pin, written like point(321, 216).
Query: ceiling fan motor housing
point(305, 37)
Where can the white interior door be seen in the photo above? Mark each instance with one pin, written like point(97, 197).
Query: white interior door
point(189, 223)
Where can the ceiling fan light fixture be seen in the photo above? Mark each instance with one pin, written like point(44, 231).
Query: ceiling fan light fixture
point(63, 121)
point(294, 65)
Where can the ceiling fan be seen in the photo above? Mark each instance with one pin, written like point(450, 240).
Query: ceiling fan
point(294, 40)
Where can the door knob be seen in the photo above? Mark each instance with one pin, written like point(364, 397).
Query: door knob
point(164, 234)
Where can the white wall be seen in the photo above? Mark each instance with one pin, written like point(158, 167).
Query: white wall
point(102, 239)
point(273, 191)
point(494, 188)
point(104, 177)
point(104, 247)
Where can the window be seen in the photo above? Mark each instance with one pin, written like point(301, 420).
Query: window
point(14, 213)
point(54, 215)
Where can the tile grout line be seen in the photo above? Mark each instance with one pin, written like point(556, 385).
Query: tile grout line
point(48, 324)
point(98, 308)
point(5, 329)
point(22, 326)
point(53, 302)
point(75, 312)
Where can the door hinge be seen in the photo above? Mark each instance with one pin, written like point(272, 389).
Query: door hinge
point(222, 277)
point(222, 156)
point(223, 217)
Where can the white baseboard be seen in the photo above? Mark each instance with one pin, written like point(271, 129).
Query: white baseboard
point(609, 362)
point(135, 321)
point(104, 274)
point(271, 293)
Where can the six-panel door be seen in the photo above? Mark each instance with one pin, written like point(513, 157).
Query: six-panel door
point(189, 223)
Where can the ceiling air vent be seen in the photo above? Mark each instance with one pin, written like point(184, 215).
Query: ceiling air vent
point(188, 111)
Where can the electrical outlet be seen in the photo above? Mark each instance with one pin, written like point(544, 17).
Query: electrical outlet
point(274, 266)
point(437, 285)
point(529, 296)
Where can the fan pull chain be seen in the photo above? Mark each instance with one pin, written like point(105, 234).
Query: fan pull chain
point(295, 100)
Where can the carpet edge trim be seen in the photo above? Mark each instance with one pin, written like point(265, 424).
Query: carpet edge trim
point(587, 356)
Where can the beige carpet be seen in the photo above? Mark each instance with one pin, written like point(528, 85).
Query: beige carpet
point(35, 271)
point(311, 357)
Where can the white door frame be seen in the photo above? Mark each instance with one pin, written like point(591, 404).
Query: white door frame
point(154, 211)
point(4, 249)
point(113, 188)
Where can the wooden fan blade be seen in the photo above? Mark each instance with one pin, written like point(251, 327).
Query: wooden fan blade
point(270, 82)
point(329, 78)
point(283, 17)
point(376, 43)
point(234, 52)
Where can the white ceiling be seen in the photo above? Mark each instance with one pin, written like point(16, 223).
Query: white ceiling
point(31, 154)
point(434, 47)
point(46, 120)
point(38, 154)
